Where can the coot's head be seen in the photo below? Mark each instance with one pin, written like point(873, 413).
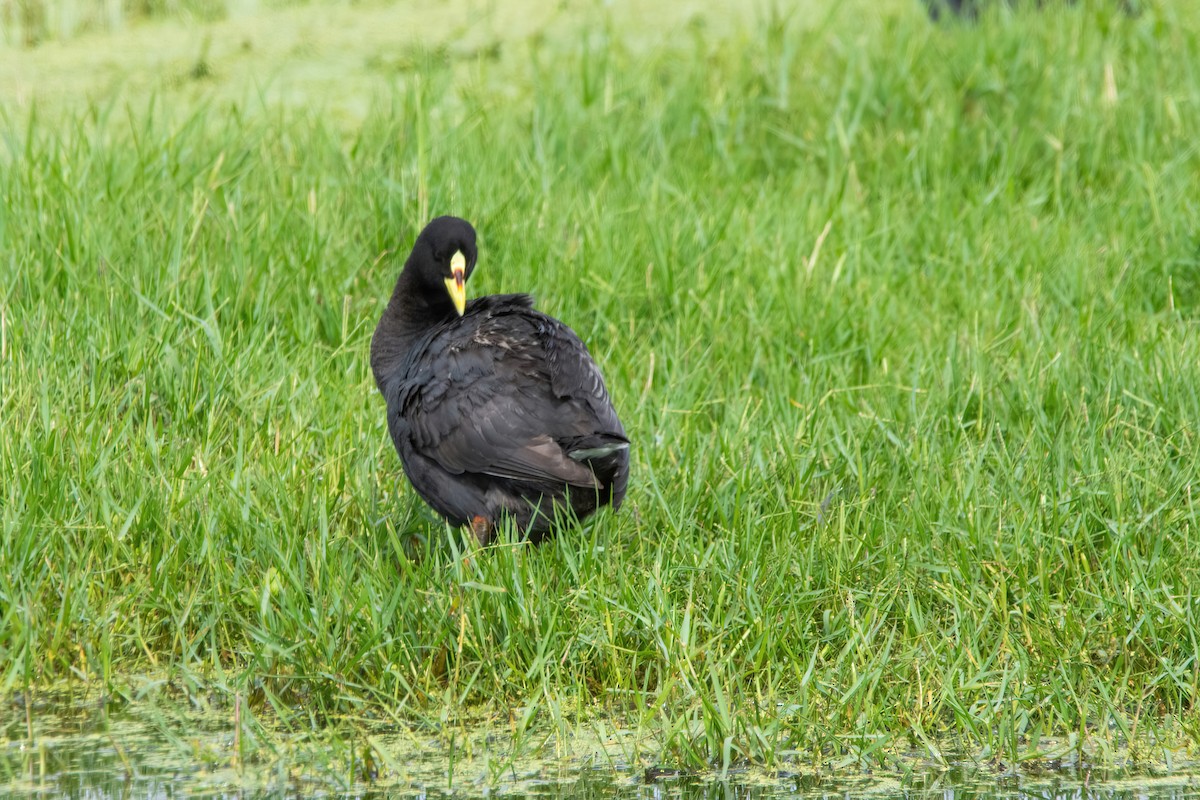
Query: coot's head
point(443, 258)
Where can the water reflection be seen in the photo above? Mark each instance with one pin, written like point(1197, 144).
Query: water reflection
point(90, 752)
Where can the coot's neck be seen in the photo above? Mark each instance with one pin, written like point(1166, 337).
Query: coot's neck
point(415, 307)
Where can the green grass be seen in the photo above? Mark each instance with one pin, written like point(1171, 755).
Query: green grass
point(28, 23)
point(901, 320)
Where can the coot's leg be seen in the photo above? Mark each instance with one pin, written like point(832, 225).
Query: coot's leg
point(482, 528)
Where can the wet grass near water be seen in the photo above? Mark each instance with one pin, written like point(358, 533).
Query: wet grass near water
point(103, 747)
point(901, 320)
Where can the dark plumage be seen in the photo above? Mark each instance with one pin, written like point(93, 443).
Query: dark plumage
point(496, 409)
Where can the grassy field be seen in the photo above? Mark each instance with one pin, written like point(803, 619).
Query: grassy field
point(901, 319)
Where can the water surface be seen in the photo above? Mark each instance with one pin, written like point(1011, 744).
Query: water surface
point(59, 746)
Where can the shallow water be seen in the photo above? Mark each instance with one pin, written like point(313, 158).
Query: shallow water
point(98, 749)
point(93, 769)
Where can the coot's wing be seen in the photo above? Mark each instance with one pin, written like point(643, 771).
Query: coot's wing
point(574, 376)
point(495, 393)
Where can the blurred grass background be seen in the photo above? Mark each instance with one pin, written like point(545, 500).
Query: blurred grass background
point(27, 23)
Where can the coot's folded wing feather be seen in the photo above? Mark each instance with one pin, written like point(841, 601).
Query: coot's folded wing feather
point(574, 375)
point(495, 405)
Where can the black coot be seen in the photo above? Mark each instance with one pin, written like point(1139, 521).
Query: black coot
point(496, 409)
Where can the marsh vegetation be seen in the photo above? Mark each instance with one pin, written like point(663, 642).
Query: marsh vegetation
point(901, 320)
